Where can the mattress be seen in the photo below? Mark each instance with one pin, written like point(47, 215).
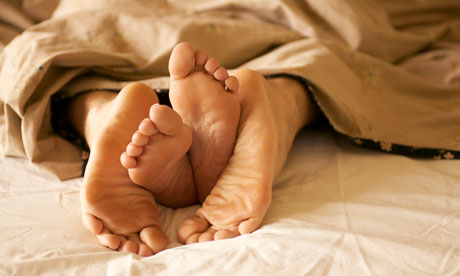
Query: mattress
point(337, 210)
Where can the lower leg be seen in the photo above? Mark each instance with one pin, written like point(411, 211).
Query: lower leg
point(292, 103)
point(299, 106)
point(85, 112)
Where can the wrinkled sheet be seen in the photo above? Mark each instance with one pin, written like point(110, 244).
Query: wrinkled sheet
point(384, 70)
point(337, 210)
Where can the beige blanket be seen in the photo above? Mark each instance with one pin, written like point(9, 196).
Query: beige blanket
point(385, 70)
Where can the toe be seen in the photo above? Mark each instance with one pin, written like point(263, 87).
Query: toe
point(154, 238)
point(139, 139)
point(147, 128)
point(191, 226)
point(144, 250)
point(200, 57)
point(109, 240)
point(221, 74)
point(128, 246)
point(127, 161)
point(193, 238)
point(91, 223)
point(166, 120)
point(250, 225)
point(232, 84)
point(208, 235)
point(212, 65)
point(181, 61)
point(134, 150)
point(141, 248)
point(226, 234)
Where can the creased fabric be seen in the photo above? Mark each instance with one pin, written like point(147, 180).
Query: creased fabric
point(383, 70)
point(336, 210)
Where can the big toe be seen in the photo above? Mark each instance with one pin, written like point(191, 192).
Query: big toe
point(181, 61)
point(191, 227)
point(166, 120)
point(154, 238)
point(161, 119)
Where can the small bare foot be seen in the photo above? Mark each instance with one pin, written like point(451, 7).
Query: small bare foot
point(206, 98)
point(157, 158)
point(268, 124)
point(122, 214)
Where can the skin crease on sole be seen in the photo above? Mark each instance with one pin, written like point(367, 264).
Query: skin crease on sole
point(123, 214)
point(206, 98)
point(268, 124)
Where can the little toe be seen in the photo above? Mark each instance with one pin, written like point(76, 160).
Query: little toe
point(134, 150)
point(139, 139)
point(193, 238)
point(127, 161)
point(191, 226)
point(93, 224)
point(200, 57)
point(226, 234)
point(250, 225)
point(154, 238)
point(212, 65)
point(208, 235)
point(166, 120)
point(147, 128)
point(107, 239)
point(221, 74)
point(232, 84)
point(181, 61)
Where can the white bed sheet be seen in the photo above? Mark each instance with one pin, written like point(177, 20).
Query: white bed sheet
point(337, 210)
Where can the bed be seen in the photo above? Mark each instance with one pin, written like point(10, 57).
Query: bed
point(337, 210)
point(385, 73)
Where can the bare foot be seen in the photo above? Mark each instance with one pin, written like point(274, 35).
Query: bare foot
point(122, 214)
point(206, 98)
point(157, 158)
point(270, 118)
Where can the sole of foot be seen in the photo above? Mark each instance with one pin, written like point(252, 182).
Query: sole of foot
point(156, 158)
point(241, 198)
point(122, 214)
point(206, 98)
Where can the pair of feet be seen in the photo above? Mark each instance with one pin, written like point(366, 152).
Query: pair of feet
point(233, 181)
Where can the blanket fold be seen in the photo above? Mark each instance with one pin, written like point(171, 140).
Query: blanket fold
point(383, 70)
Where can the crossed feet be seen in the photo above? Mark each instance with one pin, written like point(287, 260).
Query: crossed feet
point(232, 181)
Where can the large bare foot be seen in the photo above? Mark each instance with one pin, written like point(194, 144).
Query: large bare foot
point(157, 158)
point(122, 214)
point(206, 98)
point(270, 119)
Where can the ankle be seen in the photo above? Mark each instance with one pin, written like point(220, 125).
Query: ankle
point(86, 112)
point(288, 99)
point(294, 100)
